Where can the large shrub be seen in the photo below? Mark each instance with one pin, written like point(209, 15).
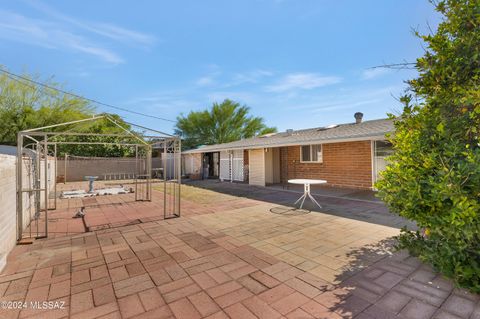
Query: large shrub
point(434, 175)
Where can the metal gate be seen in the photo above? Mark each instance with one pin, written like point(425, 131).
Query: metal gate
point(237, 165)
point(231, 165)
point(172, 173)
point(225, 166)
point(143, 174)
point(33, 187)
point(37, 169)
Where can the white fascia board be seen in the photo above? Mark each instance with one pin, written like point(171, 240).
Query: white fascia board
point(252, 147)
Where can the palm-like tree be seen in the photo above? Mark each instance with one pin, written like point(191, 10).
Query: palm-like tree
point(225, 122)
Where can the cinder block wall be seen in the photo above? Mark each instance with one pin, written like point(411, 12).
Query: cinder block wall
point(77, 169)
point(8, 204)
point(8, 200)
point(192, 165)
point(346, 164)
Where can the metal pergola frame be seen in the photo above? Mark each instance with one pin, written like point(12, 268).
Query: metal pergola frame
point(41, 140)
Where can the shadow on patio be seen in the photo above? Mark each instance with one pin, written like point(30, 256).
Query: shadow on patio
point(353, 204)
point(380, 284)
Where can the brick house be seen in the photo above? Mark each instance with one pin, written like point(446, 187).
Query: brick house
point(346, 155)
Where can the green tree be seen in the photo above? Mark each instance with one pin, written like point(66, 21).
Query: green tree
point(101, 126)
point(224, 122)
point(434, 175)
point(25, 105)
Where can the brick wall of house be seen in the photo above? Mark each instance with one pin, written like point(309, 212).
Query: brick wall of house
point(346, 164)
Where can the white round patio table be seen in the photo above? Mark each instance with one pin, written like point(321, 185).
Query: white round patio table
point(306, 189)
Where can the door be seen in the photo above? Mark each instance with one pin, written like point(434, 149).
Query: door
point(256, 160)
point(211, 165)
point(215, 165)
point(382, 149)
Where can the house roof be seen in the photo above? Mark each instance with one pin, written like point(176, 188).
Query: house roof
point(366, 130)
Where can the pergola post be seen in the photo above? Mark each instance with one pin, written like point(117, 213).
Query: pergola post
point(149, 172)
point(45, 154)
point(56, 174)
point(19, 186)
point(42, 138)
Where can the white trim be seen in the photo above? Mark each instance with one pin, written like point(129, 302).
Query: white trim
point(311, 154)
point(374, 168)
point(253, 147)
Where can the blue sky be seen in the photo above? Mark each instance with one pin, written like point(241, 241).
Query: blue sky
point(297, 63)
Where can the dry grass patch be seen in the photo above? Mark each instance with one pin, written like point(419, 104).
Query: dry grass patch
point(196, 194)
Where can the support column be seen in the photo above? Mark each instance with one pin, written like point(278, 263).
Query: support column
point(45, 153)
point(19, 186)
point(56, 174)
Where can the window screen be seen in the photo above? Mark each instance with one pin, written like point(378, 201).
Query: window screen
point(305, 153)
point(316, 153)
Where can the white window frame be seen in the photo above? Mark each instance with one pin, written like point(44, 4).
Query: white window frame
point(320, 158)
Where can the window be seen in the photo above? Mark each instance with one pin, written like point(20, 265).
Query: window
point(311, 153)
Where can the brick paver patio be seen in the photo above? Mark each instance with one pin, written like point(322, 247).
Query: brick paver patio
point(229, 257)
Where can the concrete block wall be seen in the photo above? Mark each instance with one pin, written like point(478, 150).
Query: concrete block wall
point(78, 168)
point(8, 199)
point(192, 165)
point(8, 204)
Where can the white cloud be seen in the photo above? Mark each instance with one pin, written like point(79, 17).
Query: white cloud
point(320, 108)
point(343, 105)
point(227, 81)
point(210, 78)
point(104, 54)
point(164, 101)
point(205, 80)
point(119, 33)
point(237, 96)
point(369, 74)
point(303, 81)
point(18, 28)
point(249, 77)
point(62, 32)
point(80, 74)
point(104, 29)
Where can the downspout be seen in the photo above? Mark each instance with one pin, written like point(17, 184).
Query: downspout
point(374, 166)
point(231, 166)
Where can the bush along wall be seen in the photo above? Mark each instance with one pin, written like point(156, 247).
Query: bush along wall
point(434, 175)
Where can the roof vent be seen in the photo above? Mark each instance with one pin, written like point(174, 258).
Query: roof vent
point(332, 126)
point(289, 131)
point(267, 135)
point(327, 127)
point(358, 117)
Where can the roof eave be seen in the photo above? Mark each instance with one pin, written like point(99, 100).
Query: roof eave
point(266, 145)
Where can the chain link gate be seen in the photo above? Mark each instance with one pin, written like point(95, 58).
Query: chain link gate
point(37, 169)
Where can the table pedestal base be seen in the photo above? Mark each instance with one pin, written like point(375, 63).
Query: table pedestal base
point(306, 193)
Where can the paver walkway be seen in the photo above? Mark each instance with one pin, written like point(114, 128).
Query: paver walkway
point(229, 257)
point(339, 202)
